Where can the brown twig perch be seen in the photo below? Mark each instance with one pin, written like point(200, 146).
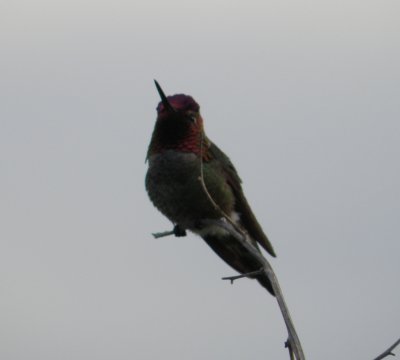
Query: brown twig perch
point(293, 342)
point(249, 275)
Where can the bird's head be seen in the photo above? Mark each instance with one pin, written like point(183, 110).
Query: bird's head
point(179, 125)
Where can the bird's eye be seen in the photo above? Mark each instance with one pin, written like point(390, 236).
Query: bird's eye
point(193, 118)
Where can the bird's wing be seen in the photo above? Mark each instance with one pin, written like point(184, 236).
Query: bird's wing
point(242, 207)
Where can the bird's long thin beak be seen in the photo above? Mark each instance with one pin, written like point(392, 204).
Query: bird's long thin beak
point(164, 99)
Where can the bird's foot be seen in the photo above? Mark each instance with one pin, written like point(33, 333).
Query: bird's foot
point(177, 231)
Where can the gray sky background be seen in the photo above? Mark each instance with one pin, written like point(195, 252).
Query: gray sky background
point(304, 98)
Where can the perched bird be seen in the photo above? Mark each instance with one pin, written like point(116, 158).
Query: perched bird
point(179, 152)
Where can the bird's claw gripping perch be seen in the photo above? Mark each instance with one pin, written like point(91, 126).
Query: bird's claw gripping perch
point(177, 231)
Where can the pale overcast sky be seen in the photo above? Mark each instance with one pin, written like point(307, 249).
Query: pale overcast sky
point(304, 96)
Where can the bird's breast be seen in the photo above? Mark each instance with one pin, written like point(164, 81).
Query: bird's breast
point(174, 186)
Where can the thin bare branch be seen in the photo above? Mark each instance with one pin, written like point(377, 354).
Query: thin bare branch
point(163, 234)
point(293, 339)
point(388, 351)
point(293, 342)
point(247, 275)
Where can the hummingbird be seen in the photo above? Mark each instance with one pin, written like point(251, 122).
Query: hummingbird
point(179, 155)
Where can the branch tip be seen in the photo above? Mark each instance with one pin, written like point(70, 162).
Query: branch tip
point(162, 234)
point(388, 351)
